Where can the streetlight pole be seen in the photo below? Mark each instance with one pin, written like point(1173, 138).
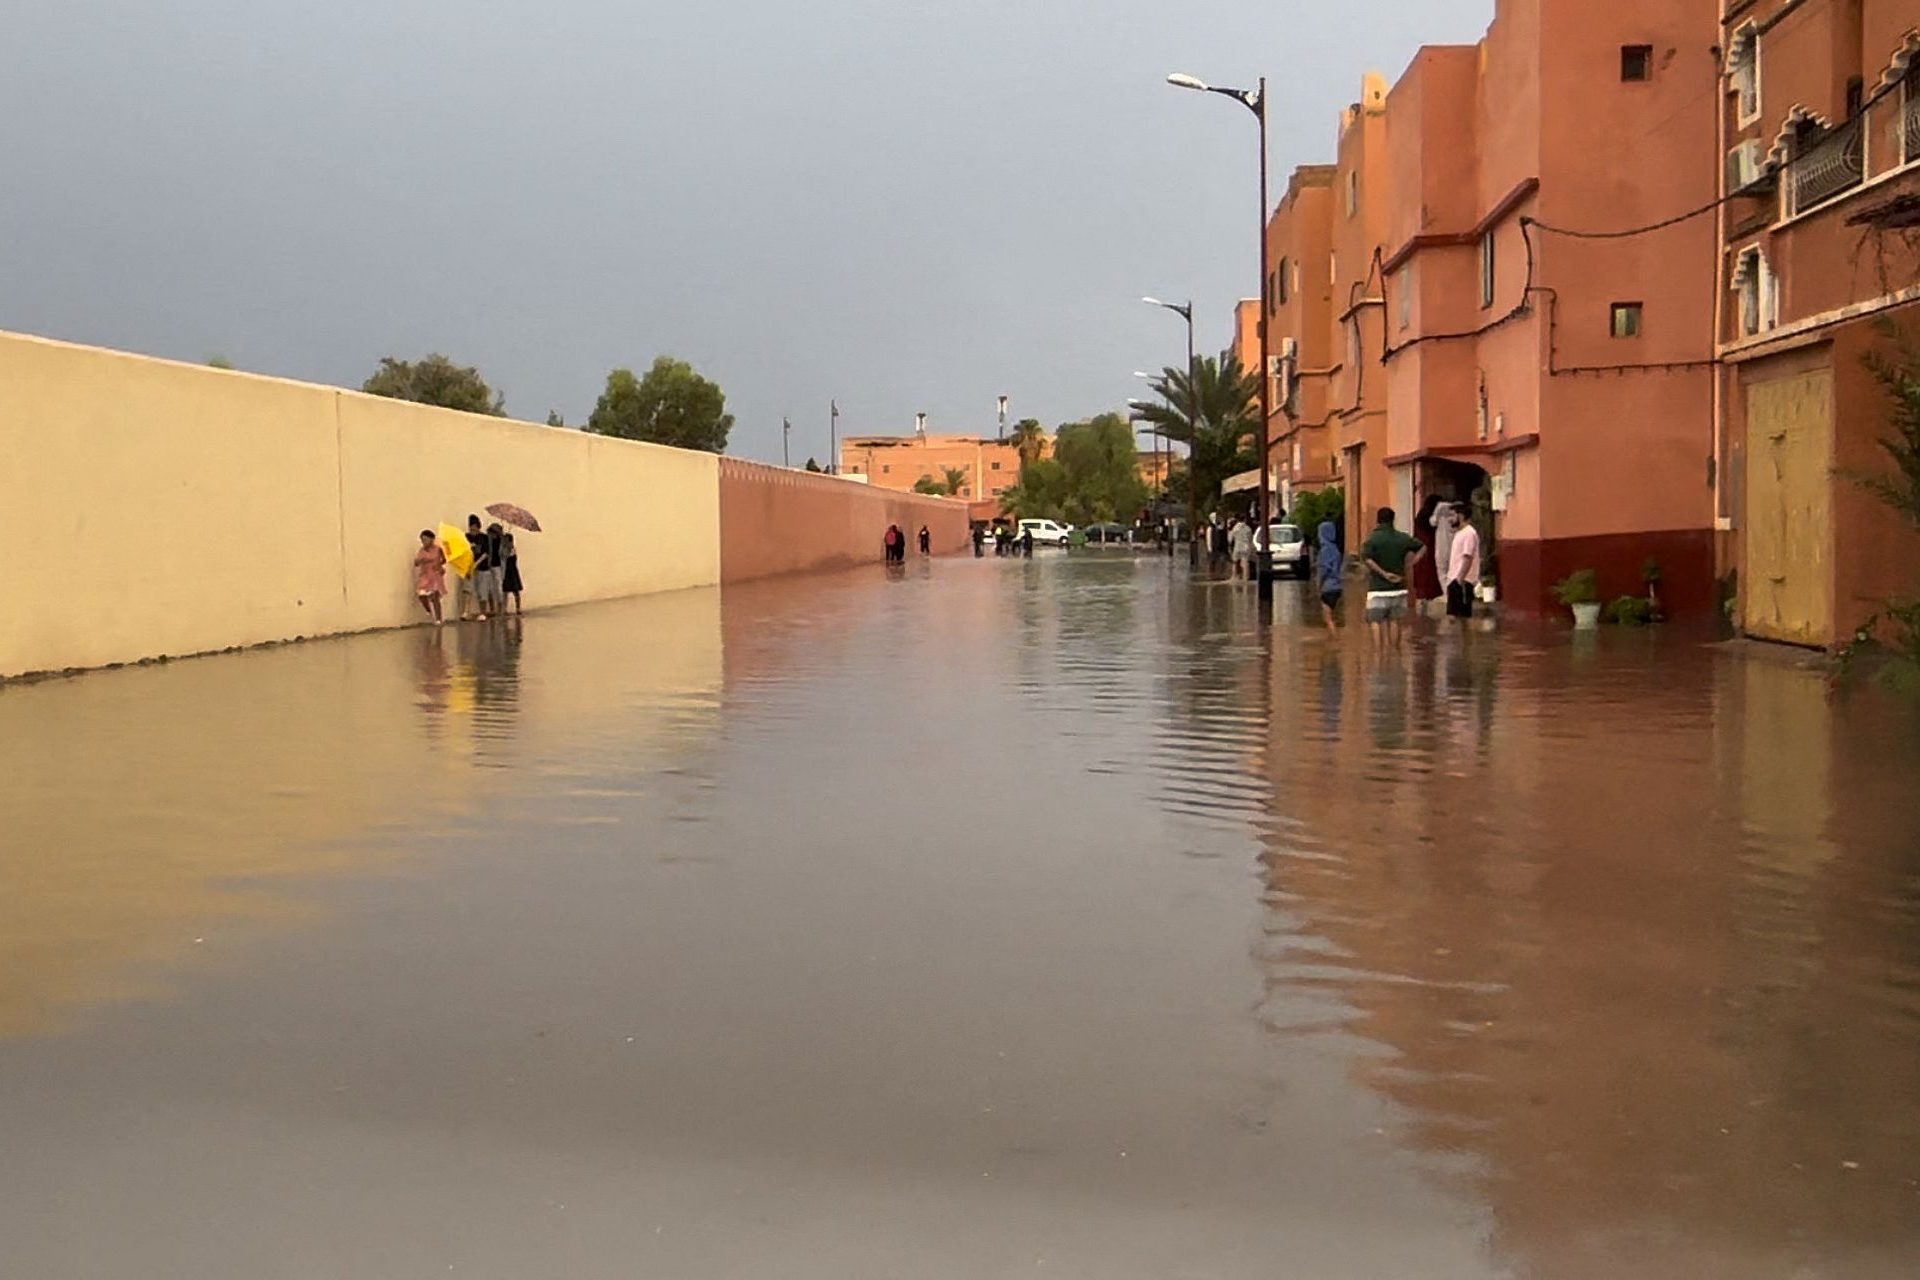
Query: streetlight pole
point(1162, 470)
point(1185, 311)
point(1255, 100)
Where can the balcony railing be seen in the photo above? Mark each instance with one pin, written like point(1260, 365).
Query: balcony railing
point(1910, 126)
point(1830, 166)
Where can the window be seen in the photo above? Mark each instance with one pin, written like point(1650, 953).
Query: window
point(1280, 294)
point(1626, 319)
point(1333, 268)
point(1910, 116)
point(1354, 350)
point(1759, 292)
point(1636, 62)
point(886, 471)
point(1743, 73)
point(1487, 268)
point(1823, 163)
point(1353, 192)
point(1273, 292)
point(1406, 298)
point(996, 466)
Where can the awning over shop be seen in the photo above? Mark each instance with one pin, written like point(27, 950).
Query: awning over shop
point(1248, 481)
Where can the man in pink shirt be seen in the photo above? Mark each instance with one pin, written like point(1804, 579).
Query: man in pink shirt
point(1462, 570)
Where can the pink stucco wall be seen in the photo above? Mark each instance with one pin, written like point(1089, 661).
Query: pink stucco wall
point(775, 521)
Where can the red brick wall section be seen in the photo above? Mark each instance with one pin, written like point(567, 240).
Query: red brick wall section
point(1528, 570)
point(776, 521)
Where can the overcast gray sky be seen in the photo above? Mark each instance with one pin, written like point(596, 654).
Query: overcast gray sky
point(901, 204)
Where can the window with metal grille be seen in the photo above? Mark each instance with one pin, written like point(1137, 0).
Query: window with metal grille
point(1825, 163)
point(1488, 268)
point(1743, 73)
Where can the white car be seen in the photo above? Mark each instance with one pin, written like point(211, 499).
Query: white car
point(1290, 551)
point(1048, 532)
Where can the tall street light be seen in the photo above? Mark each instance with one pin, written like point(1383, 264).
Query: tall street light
point(1185, 311)
point(1162, 469)
point(1255, 100)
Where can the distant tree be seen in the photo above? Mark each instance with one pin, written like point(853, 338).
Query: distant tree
point(1030, 438)
point(218, 361)
point(436, 380)
point(671, 405)
point(1101, 463)
point(1041, 493)
point(929, 486)
point(1898, 373)
point(813, 466)
point(956, 481)
point(1212, 411)
point(554, 419)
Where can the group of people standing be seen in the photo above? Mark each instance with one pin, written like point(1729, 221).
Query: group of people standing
point(895, 543)
point(1442, 557)
point(486, 572)
point(1005, 541)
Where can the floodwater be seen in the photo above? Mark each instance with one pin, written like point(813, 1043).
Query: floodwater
point(992, 919)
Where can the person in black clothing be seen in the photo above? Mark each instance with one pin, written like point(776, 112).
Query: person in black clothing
point(926, 541)
point(1026, 543)
point(979, 542)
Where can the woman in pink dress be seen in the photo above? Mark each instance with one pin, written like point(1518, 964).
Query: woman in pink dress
point(430, 575)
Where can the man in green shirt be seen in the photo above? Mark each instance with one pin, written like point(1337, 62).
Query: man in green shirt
point(1389, 556)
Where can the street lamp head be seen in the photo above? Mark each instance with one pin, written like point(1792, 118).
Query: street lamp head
point(1181, 81)
point(1153, 302)
point(1142, 373)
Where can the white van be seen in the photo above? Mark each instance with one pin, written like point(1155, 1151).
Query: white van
point(1048, 533)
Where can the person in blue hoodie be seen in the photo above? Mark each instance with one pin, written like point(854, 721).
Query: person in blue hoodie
point(1330, 574)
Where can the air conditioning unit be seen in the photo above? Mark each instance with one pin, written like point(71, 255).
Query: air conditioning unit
point(1746, 166)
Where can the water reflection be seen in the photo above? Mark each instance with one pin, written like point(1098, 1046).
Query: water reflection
point(843, 919)
point(1626, 933)
point(143, 809)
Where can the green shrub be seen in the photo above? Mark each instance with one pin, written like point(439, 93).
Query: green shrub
point(1630, 611)
point(1582, 587)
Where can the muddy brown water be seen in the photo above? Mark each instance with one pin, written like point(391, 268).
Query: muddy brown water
point(990, 919)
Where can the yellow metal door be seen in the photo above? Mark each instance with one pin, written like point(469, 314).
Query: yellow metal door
point(1787, 590)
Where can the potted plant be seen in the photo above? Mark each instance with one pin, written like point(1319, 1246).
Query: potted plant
point(1580, 591)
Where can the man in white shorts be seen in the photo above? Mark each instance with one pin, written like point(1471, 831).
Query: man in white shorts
point(1389, 556)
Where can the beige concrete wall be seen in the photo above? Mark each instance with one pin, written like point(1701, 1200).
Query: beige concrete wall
point(165, 509)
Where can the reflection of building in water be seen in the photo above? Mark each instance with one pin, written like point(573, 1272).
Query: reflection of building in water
point(146, 808)
point(1636, 954)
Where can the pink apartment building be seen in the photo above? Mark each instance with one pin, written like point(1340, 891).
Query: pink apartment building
point(1566, 380)
point(1820, 133)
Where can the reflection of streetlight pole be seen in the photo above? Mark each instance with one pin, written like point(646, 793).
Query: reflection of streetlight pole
point(1185, 311)
point(1255, 100)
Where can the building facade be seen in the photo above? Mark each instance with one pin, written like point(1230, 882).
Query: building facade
point(1299, 307)
point(1363, 199)
point(1547, 356)
point(990, 467)
point(1820, 130)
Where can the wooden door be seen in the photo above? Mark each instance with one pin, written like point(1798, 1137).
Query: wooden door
point(1786, 590)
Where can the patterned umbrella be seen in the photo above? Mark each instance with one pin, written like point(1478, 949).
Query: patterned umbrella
point(518, 517)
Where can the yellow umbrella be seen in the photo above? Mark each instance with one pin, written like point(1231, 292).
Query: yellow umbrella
point(459, 551)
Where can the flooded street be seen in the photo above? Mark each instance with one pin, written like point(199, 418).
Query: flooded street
point(998, 919)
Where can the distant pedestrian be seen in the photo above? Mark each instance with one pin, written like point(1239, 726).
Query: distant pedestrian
point(926, 541)
point(510, 584)
point(1026, 543)
point(896, 544)
point(1240, 547)
point(1388, 554)
point(979, 541)
point(1330, 574)
point(430, 576)
point(1002, 540)
point(1463, 564)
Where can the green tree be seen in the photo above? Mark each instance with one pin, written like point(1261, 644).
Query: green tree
point(554, 419)
point(813, 466)
point(956, 481)
point(1101, 463)
point(438, 381)
point(1030, 439)
point(929, 486)
point(1898, 372)
point(218, 361)
point(671, 405)
point(1041, 493)
point(1212, 411)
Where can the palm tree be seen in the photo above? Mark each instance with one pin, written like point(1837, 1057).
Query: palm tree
point(1212, 410)
point(1030, 438)
point(956, 480)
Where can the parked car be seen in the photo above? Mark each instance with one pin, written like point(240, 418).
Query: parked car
point(1291, 554)
point(1048, 533)
point(1108, 533)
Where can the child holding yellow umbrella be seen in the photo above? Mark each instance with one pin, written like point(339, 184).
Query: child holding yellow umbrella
point(459, 553)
